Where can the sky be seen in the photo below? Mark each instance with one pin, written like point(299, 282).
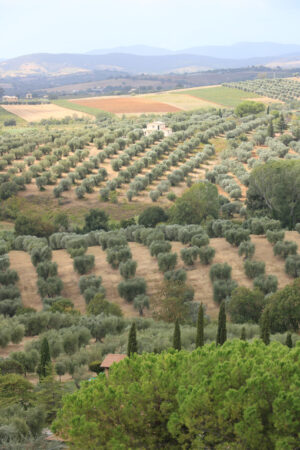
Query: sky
point(78, 26)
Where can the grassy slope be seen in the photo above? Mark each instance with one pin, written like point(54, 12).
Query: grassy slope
point(223, 95)
point(76, 107)
point(5, 115)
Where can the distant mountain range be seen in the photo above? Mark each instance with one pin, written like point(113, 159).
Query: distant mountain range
point(241, 50)
point(143, 59)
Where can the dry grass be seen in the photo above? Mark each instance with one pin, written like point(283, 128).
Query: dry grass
point(21, 262)
point(70, 278)
point(36, 113)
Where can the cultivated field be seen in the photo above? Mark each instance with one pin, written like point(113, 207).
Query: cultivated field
point(36, 113)
point(221, 95)
point(129, 105)
point(197, 275)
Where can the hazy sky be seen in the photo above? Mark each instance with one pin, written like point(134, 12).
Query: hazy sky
point(30, 26)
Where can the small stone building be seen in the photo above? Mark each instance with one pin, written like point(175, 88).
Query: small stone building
point(110, 359)
point(157, 126)
point(28, 95)
point(9, 98)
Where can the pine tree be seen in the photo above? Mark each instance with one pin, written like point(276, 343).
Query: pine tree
point(200, 327)
point(176, 336)
point(265, 328)
point(243, 334)
point(132, 342)
point(270, 130)
point(289, 342)
point(45, 362)
point(222, 333)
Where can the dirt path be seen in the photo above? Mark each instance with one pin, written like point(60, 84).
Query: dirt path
point(21, 262)
point(70, 278)
point(110, 280)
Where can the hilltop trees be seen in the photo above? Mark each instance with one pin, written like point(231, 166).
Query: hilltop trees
point(197, 204)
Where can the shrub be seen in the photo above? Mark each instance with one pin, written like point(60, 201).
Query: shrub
point(223, 289)
point(154, 195)
point(8, 277)
point(40, 254)
point(266, 284)
point(285, 248)
point(4, 262)
point(98, 305)
point(88, 281)
point(171, 197)
point(8, 366)
point(95, 366)
point(292, 266)
point(246, 305)
point(84, 264)
point(220, 272)
point(90, 293)
point(117, 255)
point(51, 287)
point(166, 261)
point(275, 236)
point(152, 216)
point(129, 289)
point(254, 268)
point(141, 302)
point(236, 236)
point(297, 227)
point(189, 255)
point(206, 254)
point(128, 269)
point(157, 247)
point(96, 220)
point(178, 275)
point(200, 240)
point(246, 249)
point(46, 269)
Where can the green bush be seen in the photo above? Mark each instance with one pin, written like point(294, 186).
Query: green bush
point(4, 262)
point(128, 269)
point(129, 289)
point(246, 305)
point(178, 275)
point(285, 248)
point(275, 236)
point(236, 236)
point(84, 264)
point(297, 227)
point(46, 269)
point(200, 240)
point(206, 254)
point(189, 255)
point(8, 366)
point(254, 268)
point(220, 272)
point(117, 255)
point(40, 254)
point(222, 289)
point(8, 277)
point(292, 266)
point(140, 302)
point(266, 284)
point(166, 261)
point(51, 287)
point(157, 247)
point(99, 305)
point(152, 216)
point(246, 249)
point(87, 281)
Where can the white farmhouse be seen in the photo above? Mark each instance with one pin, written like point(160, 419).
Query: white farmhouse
point(28, 95)
point(9, 98)
point(157, 126)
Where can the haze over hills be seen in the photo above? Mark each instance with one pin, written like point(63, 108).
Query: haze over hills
point(143, 59)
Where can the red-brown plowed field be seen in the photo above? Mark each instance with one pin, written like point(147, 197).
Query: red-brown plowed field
point(125, 105)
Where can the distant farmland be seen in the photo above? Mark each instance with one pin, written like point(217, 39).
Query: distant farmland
point(221, 95)
point(36, 113)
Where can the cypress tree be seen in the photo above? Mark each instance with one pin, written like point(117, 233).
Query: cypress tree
point(200, 327)
point(243, 334)
point(281, 123)
point(222, 333)
point(265, 328)
point(289, 342)
point(270, 130)
point(132, 342)
point(176, 336)
point(45, 361)
point(268, 110)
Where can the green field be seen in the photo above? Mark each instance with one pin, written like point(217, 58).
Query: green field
point(81, 108)
point(223, 95)
point(5, 115)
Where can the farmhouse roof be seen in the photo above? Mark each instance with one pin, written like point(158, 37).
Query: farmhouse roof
point(112, 358)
